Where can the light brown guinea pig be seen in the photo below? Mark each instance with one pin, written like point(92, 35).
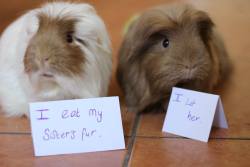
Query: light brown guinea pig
point(170, 46)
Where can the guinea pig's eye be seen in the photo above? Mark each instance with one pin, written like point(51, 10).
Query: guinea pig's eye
point(165, 43)
point(69, 38)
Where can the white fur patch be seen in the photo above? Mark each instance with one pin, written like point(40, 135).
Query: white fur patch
point(16, 90)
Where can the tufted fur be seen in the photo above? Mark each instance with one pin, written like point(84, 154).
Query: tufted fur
point(37, 63)
point(195, 58)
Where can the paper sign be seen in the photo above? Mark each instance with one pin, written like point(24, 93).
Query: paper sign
point(191, 114)
point(76, 126)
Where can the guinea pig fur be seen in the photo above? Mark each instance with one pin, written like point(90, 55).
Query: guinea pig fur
point(170, 46)
point(59, 51)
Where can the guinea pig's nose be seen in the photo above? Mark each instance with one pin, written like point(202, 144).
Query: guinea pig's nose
point(46, 59)
point(188, 66)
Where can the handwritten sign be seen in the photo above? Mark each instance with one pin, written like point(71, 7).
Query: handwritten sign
point(76, 126)
point(191, 114)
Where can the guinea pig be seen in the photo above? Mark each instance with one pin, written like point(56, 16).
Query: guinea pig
point(59, 51)
point(170, 46)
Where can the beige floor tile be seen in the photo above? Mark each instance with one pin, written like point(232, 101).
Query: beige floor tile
point(150, 152)
point(17, 150)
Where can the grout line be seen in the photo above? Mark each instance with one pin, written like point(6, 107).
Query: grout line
point(212, 138)
point(132, 140)
point(161, 137)
point(229, 138)
point(15, 133)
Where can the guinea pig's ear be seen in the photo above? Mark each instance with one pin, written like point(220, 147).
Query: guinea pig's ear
point(204, 24)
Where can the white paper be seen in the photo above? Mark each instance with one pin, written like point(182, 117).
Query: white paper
point(76, 126)
point(219, 118)
point(191, 114)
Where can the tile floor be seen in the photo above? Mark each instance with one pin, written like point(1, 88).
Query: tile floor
point(146, 145)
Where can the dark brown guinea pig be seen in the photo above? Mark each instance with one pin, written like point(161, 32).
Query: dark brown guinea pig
point(170, 46)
